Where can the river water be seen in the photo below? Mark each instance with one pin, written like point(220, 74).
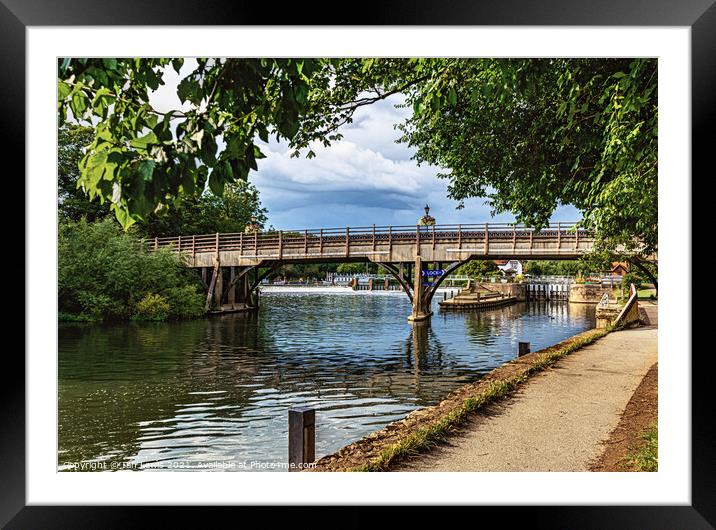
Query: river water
point(215, 393)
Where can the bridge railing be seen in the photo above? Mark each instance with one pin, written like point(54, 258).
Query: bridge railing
point(253, 242)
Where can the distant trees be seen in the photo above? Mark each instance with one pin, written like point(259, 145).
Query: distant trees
point(553, 268)
point(357, 268)
point(208, 213)
point(478, 268)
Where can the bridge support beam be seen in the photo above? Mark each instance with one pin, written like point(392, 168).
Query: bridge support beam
point(421, 303)
point(231, 295)
point(234, 295)
point(421, 296)
point(218, 288)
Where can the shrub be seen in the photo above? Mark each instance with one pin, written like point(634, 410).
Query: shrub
point(70, 317)
point(99, 305)
point(103, 272)
point(186, 301)
point(152, 307)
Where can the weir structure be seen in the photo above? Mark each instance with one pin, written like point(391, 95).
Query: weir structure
point(233, 265)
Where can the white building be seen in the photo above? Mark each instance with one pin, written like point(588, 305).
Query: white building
point(509, 267)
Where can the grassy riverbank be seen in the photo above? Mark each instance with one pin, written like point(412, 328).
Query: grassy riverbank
point(645, 458)
point(633, 444)
point(424, 428)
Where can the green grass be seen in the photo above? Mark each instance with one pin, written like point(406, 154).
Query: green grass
point(646, 294)
point(646, 458)
point(429, 436)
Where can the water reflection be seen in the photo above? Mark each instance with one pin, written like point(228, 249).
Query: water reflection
point(219, 389)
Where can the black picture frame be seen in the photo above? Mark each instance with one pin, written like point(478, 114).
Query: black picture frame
point(17, 15)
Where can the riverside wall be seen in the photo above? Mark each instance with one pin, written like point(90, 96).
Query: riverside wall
point(586, 293)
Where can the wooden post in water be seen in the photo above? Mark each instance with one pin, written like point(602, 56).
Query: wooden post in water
point(301, 437)
point(523, 348)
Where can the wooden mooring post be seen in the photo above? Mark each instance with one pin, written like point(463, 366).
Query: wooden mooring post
point(523, 348)
point(301, 437)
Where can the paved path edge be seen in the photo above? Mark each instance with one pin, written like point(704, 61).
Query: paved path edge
point(420, 429)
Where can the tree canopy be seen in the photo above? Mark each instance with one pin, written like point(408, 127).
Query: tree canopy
point(191, 214)
point(527, 134)
point(142, 160)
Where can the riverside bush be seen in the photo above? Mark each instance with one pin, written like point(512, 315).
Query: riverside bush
point(104, 273)
point(184, 302)
point(152, 307)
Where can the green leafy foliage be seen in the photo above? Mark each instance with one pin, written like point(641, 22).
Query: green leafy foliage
point(554, 268)
point(357, 268)
point(307, 271)
point(141, 159)
point(73, 202)
point(527, 134)
point(478, 269)
point(202, 214)
point(151, 307)
point(532, 134)
point(104, 272)
point(632, 278)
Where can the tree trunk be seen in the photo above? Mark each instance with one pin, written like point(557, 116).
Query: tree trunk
point(646, 271)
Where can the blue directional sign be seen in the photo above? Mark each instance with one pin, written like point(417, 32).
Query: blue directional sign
point(438, 272)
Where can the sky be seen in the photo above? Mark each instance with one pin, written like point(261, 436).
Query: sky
point(364, 179)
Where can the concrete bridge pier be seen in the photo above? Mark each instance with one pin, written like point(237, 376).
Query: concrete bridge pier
point(420, 295)
point(421, 303)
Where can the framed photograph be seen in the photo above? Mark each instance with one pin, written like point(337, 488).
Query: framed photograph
point(431, 247)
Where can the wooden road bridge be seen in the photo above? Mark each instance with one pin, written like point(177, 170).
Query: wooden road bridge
point(233, 265)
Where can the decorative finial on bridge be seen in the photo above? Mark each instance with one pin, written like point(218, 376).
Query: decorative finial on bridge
point(252, 226)
point(427, 219)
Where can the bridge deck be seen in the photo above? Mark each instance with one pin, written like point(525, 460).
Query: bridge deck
point(388, 244)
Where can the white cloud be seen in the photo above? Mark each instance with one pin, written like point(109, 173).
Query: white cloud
point(367, 178)
point(165, 97)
